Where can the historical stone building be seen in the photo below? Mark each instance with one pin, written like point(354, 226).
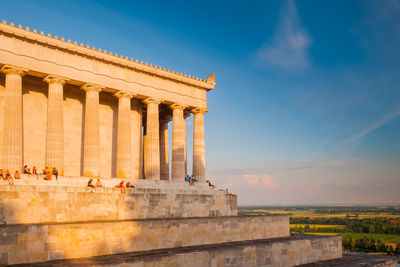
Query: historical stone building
point(90, 112)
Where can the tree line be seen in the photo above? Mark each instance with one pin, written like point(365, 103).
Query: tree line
point(370, 245)
point(370, 225)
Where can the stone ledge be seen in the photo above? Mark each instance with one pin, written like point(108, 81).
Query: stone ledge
point(146, 219)
point(81, 182)
point(284, 251)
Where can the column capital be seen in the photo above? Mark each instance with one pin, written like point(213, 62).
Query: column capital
point(199, 110)
point(126, 94)
point(7, 69)
point(178, 106)
point(92, 87)
point(151, 100)
point(55, 79)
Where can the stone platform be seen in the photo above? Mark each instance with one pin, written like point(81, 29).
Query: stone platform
point(69, 199)
point(26, 243)
point(284, 251)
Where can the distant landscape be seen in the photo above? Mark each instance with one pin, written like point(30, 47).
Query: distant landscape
point(366, 229)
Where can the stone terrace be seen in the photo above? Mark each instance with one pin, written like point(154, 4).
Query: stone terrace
point(68, 199)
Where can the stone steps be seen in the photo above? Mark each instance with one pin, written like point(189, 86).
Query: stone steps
point(283, 251)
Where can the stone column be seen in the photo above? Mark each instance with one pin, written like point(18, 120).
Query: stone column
point(12, 131)
point(91, 149)
point(55, 123)
point(178, 143)
point(152, 140)
point(137, 149)
point(199, 170)
point(185, 116)
point(164, 149)
point(124, 138)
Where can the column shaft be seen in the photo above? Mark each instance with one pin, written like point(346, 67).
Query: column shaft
point(198, 145)
point(152, 140)
point(137, 150)
point(124, 138)
point(12, 131)
point(185, 115)
point(178, 143)
point(55, 123)
point(164, 150)
point(91, 150)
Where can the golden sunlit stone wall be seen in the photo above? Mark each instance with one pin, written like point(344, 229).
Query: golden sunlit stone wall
point(43, 204)
point(41, 242)
point(283, 252)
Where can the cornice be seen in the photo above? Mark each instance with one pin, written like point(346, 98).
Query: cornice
point(207, 84)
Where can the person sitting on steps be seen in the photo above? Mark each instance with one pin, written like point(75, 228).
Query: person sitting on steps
point(90, 183)
point(129, 185)
point(26, 170)
point(34, 170)
point(122, 186)
point(17, 175)
point(47, 174)
point(210, 184)
point(9, 178)
point(187, 178)
point(55, 172)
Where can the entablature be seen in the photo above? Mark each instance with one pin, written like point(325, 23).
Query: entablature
point(43, 55)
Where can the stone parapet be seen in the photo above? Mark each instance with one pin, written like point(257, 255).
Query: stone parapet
point(44, 203)
point(43, 242)
point(80, 181)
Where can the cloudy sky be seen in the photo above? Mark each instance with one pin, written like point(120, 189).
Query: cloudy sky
point(306, 109)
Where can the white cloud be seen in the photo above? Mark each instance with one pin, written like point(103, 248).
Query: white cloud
point(289, 46)
point(263, 182)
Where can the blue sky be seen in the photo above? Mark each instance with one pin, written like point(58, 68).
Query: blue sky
point(306, 109)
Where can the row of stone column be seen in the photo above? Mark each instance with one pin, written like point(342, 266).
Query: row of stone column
point(156, 159)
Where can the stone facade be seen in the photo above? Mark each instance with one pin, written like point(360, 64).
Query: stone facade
point(87, 111)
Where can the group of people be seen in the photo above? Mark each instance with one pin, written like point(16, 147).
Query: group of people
point(121, 185)
point(93, 185)
point(190, 179)
point(47, 172)
point(7, 176)
point(124, 186)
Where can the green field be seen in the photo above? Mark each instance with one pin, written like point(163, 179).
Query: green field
point(386, 238)
point(314, 213)
point(317, 226)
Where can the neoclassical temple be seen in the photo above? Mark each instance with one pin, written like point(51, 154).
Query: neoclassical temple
point(92, 112)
